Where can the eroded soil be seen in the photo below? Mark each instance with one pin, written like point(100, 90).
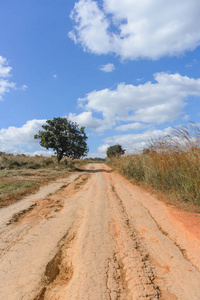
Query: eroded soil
point(93, 235)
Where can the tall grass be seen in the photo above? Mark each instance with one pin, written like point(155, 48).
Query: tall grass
point(170, 164)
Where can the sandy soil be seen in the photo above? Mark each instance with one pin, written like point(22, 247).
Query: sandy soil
point(93, 235)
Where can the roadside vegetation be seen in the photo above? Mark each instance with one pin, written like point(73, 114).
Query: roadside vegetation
point(170, 165)
point(64, 137)
point(115, 150)
point(21, 175)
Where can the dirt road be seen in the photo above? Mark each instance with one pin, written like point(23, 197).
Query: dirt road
point(93, 235)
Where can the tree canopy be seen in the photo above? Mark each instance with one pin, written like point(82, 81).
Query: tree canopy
point(115, 150)
point(64, 137)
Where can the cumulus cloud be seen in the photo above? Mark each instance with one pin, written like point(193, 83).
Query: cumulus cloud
point(101, 153)
point(136, 141)
point(13, 139)
point(4, 68)
point(107, 68)
point(87, 120)
point(91, 27)
point(103, 148)
point(5, 84)
point(131, 142)
point(96, 154)
point(131, 126)
point(136, 29)
point(41, 152)
point(157, 103)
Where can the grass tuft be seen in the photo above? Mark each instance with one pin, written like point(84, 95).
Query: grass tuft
point(170, 164)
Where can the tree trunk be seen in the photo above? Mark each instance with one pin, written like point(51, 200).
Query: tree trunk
point(59, 156)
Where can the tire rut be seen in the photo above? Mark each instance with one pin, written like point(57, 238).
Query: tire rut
point(173, 273)
point(116, 283)
point(135, 262)
point(47, 207)
point(93, 239)
point(29, 229)
point(182, 251)
point(16, 217)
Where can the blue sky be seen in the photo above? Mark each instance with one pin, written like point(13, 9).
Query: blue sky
point(126, 70)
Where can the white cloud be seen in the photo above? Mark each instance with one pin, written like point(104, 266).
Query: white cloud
point(87, 120)
point(103, 148)
point(101, 152)
point(96, 154)
point(131, 126)
point(5, 84)
point(91, 27)
point(137, 29)
point(155, 103)
point(131, 142)
point(136, 141)
point(189, 65)
point(4, 68)
point(15, 138)
point(16, 151)
point(24, 87)
point(186, 117)
point(5, 73)
point(54, 76)
point(140, 79)
point(107, 68)
point(41, 152)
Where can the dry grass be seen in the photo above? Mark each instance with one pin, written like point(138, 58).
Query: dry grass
point(170, 165)
point(22, 175)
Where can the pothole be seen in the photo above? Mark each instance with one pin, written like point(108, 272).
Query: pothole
point(53, 267)
point(59, 270)
point(81, 181)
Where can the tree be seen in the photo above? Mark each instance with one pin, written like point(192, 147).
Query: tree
point(64, 137)
point(115, 150)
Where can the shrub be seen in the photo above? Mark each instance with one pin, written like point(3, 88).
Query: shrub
point(115, 150)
